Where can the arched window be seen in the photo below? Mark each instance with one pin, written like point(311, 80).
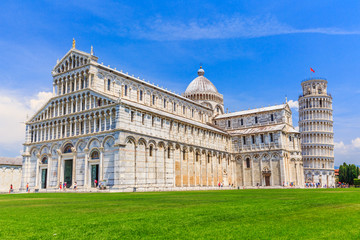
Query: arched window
point(125, 90)
point(151, 151)
point(109, 85)
point(141, 95)
point(248, 163)
point(68, 148)
point(44, 160)
point(95, 155)
point(153, 99)
point(208, 158)
point(164, 103)
point(184, 154)
point(197, 156)
point(169, 153)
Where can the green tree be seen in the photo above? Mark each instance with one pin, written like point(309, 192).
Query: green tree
point(347, 173)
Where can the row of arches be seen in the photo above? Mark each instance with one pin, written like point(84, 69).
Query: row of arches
point(316, 115)
point(325, 151)
point(318, 163)
point(317, 126)
point(71, 83)
point(97, 121)
point(317, 138)
point(72, 104)
point(315, 102)
point(73, 61)
point(52, 168)
point(175, 164)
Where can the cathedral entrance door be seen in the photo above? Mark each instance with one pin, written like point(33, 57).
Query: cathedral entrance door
point(43, 178)
point(68, 172)
point(267, 180)
point(94, 174)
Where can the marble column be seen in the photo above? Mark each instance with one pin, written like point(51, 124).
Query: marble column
point(86, 174)
point(101, 167)
point(37, 171)
point(48, 171)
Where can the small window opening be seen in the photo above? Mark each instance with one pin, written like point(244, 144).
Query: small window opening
point(151, 151)
point(247, 163)
point(132, 116)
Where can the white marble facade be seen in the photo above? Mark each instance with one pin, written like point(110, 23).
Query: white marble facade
point(10, 173)
point(104, 124)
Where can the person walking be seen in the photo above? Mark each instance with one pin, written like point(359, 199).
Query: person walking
point(95, 183)
point(60, 186)
point(75, 185)
point(27, 188)
point(11, 189)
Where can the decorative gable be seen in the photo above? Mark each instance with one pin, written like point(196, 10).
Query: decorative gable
point(72, 60)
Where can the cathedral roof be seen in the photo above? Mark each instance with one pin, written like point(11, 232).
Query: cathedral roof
point(261, 129)
point(11, 161)
point(252, 111)
point(200, 84)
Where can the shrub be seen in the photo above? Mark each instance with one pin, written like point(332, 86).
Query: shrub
point(356, 182)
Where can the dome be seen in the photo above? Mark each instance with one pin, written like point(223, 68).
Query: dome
point(201, 84)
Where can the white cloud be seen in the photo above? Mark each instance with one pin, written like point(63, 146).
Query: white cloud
point(297, 128)
point(356, 142)
point(293, 104)
point(40, 99)
point(348, 153)
point(14, 109)
point(339, 145)
point(222, 27)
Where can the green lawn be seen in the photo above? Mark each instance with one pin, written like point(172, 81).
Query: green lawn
point(226, 214)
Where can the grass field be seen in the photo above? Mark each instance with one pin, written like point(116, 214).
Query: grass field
point(226, 214)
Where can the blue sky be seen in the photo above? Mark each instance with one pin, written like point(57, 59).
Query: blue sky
point(255, 52)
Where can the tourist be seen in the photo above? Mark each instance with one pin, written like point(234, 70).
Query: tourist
point(27, 188)
point(64, 186)
point(219, 184)
point(11, 188)
point(75, 185)
point(60, 186)
point(95, 183)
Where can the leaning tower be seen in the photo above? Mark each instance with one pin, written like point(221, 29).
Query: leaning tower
point(316, 128)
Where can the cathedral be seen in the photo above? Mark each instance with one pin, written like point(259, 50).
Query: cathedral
point(105, 126)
